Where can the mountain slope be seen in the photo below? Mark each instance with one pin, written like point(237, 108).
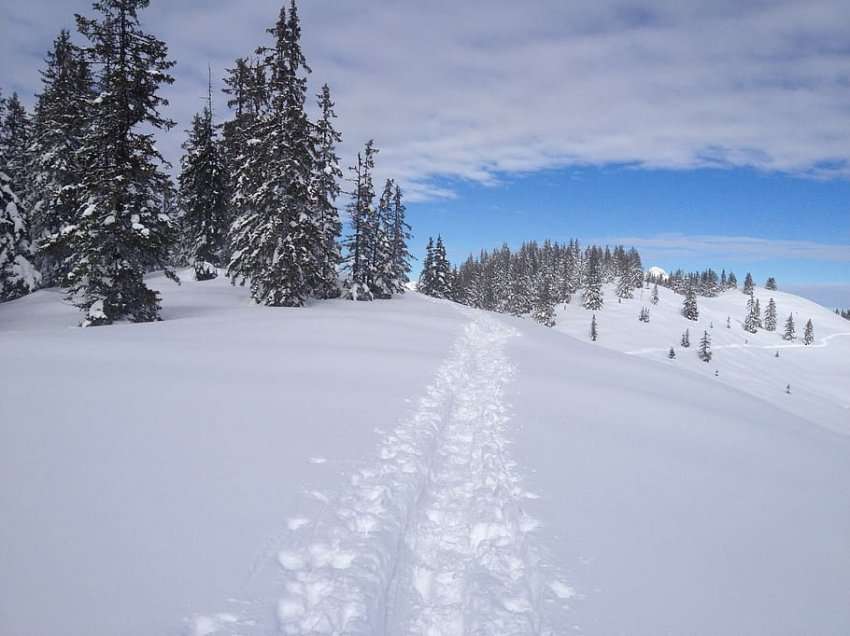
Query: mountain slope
point(395, 467)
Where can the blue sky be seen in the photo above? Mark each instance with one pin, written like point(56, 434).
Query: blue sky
point(704, 133)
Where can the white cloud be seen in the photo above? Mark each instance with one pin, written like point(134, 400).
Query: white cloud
point(475, 88)
point(741, 248)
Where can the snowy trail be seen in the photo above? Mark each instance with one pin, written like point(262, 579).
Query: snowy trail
point(821, 344)
point(432, 539)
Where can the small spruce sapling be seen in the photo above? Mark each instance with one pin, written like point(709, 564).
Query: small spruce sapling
point(790, 330)
point(809, 333)
point(705, 347)
point(686, 339)
point(672, 353)
point(594, 333)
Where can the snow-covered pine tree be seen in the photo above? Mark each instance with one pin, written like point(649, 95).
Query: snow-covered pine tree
point(276, 238)
point(15, 143)
point(770, 316)
point(18, 276)
point(748, 284)
point(654, 297)
point(790, 329)
point(362, 213)
point(770, 284)
point(442, 270)
point(120, 233)
point(381, 284)
point(757, 311)
point(809, 333)
point(400, 255)
point(672, 353)
point(689, 306)
point(705, 347)
point(203, 196)
point(594, 332)
point(624, 286)
point(592, 299)
point(543, 310)
point(60, 123)
point(752, 318)
point(728, 322)
point(732, 281)
point(427, 275)
point(686, 339)
point(326, 189)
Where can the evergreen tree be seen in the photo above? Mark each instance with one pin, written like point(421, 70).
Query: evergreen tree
point(442, 270)
point(748, 284)
point(770, 284)
point(18, 276)
point(543, 310)
point(119, 233)
point(728, 322)
point(15, 140)
point(203, 196)
point(382, 284)
point(705, 347)
point(593, 286)
point(654, 297)
point(689, 307)
point(399, 237)
point(644, 314)
point(594, 333)
point(757, 313)
point(790, 330)
point(625, 286)
point(770, 316)
point(809, 333)
point(752, 319)
point(363, 226)
point(326, 189)
point(732, 281)
point(426, 277)
point(277, 237)
point(672, 353)
point(60, 124)
point(686, 339)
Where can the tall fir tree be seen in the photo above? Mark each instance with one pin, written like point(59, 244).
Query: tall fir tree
point(654, 297)
point(593, 299)
point(752, 319)
point(426, 276)
point(18, 275)
point(277, 236)
point(770, 316)
point(382, 284)
point(120, 233)
point(790, 329)
point(363, 218)
point(326, 189)
point(203, 195)
point(400, 236)
point(15, 142)
point(61, 123)
point(689, 306)
point(748, 284)
point(705, 347)
point(809, 333)
point(543, 309)
point(770, 284)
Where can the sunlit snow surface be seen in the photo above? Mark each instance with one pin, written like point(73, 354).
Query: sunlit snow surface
point(414, 467)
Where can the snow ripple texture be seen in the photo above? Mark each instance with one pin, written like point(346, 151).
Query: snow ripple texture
point(432, 539)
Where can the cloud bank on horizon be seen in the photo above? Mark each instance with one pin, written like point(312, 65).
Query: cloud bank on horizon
point(475, 89)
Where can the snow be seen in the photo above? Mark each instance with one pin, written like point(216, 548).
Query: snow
point(658, 272)
point(479, 474)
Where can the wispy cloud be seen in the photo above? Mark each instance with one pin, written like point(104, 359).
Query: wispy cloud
point(736, 248)
point(472, 89)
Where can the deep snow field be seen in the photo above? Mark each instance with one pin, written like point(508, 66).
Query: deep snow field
point(416, 467)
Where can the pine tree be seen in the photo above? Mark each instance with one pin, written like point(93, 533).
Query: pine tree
point(120, 234)
point(672, 353)
point(654, 297)
point(400, 235)
point(770, 284)
point(689, 307)
point(18, 276)
point(748, 284)
point(592, 299)
point(382, 284)
point(326, 189)
point(60, 124)
point(426, 277)
point(624, 286)
point(442, 270)
point(594, 333)
point(277, 236)
point(809, 333)
point(752, 319)
point(686, 339)
point(728, 322)
point(790, 330)
point(362, 213)
point(203, 196)
point(770, 316)
point(15, 141)
point(757, 314)
point(543, 310)
point(705, 347)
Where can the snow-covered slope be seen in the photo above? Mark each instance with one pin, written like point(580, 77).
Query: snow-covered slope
point(819, 374)
point(400, 467)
